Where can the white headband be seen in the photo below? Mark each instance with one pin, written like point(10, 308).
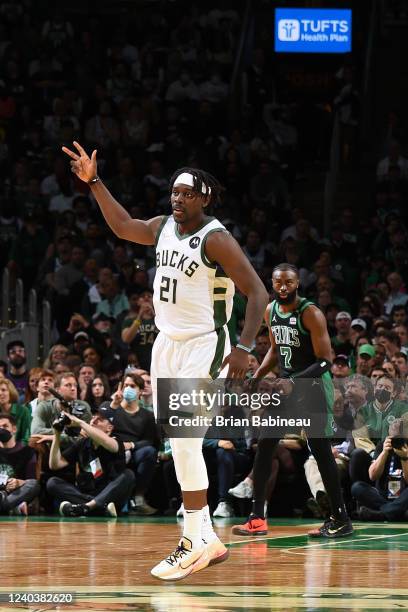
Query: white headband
point(186, 178)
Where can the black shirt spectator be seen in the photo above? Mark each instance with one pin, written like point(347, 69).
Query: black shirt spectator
point(83, 452)
point(139, 428)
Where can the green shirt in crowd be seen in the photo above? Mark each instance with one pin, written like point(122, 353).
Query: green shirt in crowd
point(377, 422)
point(23, 422)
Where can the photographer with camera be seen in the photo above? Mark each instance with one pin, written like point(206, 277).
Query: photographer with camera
point(371, 425)
point(18, 486)
point(388, 499)
point(47, 411)
point(103, 483)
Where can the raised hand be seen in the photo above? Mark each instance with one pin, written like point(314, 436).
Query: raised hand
point(117, 397)
point(82, 165)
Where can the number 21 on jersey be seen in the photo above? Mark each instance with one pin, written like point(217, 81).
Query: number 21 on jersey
point(168, 288)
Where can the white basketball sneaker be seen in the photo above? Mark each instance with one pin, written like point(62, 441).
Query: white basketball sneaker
point(224, 510)
point(243, 490)
point(216, 553)
point(181, 562)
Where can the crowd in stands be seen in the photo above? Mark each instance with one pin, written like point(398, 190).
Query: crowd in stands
point(149, 89)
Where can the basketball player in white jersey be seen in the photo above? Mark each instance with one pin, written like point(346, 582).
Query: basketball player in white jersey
point(197, 263)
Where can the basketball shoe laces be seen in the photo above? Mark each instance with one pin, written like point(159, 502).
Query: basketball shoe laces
point(332, 522)
point(180, 551)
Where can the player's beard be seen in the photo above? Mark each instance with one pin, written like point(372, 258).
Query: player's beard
point(289, 299)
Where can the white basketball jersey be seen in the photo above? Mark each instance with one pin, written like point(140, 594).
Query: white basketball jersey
point(192, 296)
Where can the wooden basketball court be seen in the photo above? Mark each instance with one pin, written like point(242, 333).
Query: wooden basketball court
point(106, 564)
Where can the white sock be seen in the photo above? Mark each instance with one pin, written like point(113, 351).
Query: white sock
point(207, 532)
point(192, 526)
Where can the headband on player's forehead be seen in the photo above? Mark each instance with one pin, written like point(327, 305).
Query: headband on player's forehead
point(186, 178)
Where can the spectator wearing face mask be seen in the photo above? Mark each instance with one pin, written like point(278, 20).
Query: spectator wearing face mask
point(372, 423)
point(136, 428)
point(18, 485)
point(376, 414)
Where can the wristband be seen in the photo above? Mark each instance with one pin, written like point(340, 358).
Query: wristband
point(315, 370)
point(94, 180)
point(138, 321)
point(244, 348)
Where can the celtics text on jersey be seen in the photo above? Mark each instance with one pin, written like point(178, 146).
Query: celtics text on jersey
point(293, 341)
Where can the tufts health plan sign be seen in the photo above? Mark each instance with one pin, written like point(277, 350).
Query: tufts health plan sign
point(312, 30)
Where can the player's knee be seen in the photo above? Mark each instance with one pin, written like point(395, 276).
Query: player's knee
point(191, 469)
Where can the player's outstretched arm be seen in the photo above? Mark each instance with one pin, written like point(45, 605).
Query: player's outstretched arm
point(223, 249)
point(118, 219)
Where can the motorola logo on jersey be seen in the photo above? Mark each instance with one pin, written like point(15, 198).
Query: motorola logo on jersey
point(194, 242)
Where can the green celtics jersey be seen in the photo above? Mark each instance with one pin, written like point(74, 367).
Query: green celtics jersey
point(293, 341)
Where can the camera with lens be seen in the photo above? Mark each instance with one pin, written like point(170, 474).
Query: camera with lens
point(398, 443)
point(396, 433)
point(63, 421)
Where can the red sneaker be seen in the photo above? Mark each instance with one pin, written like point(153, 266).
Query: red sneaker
point(254, 526)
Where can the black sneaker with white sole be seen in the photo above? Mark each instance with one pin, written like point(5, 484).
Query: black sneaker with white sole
point(333, 528)
point(73, 510)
